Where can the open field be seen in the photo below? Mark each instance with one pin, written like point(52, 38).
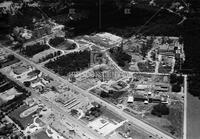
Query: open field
point(41, 135)
point(172, 122)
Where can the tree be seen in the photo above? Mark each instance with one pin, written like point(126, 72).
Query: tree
point(115, 94)
point(18, 46)
point(31, 50)
point(96, 114)
point(53, 88)
point(160, 109)
point(73, 46)
point(180, 79)
point(56, 41)
point(37, 71)
point(146, 47)
point(10, 57)
point(104, 94)
point(28, 137)
point(176, 87)
point(120, 56)
point(194, 83)
point(176, 79)
point(70, 63)
point(72, 78)
point(74, 112)
point(27, 83)
point(173, 78)
point(59, 53)
point(7, 129)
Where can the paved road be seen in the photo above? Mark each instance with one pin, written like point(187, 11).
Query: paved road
point(79, 126)
point(152, 130)
point(133, 72)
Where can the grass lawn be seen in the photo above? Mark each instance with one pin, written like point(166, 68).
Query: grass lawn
point(172, 123)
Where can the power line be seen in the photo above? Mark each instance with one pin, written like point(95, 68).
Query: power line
point(44, 14)
point(185, 4)
point(148, 21)
point(161, 8)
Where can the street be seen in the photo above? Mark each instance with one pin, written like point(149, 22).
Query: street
point(148, 128)
point(77, 124)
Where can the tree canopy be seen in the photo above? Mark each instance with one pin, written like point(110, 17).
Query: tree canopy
point(160, 109)
point(31, 50)
point(120, 56)
point(72, 62)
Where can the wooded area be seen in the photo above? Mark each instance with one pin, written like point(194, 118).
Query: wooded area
point(72, 62)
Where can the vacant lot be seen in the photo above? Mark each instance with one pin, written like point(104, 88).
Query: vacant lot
point(171, 123)
point(134, 132)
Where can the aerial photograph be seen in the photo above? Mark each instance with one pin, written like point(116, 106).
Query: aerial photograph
point(99, 69)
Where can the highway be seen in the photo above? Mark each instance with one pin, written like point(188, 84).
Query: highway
point(148, 128)
point(78, 126)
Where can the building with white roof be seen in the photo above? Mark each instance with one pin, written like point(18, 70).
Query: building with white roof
point(130, 99)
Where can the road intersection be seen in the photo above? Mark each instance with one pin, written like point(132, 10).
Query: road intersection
point(155, 132)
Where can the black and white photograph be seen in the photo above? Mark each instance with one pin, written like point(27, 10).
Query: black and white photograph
point(99, 69)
